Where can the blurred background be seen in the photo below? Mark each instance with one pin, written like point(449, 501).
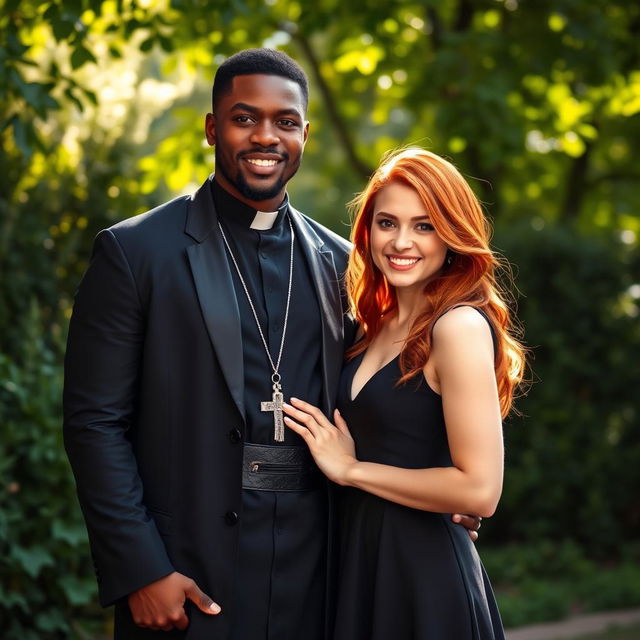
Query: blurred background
point(102, 109)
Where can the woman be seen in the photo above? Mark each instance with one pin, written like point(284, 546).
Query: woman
point(423, 395)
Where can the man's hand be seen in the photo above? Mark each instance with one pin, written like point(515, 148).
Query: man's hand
point(470, 523)
point(160, 605)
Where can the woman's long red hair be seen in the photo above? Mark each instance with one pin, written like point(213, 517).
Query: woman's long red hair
point(469, 279)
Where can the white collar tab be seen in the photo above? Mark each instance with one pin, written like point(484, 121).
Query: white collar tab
point(264, 220)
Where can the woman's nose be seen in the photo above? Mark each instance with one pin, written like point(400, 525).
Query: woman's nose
point(403, 240)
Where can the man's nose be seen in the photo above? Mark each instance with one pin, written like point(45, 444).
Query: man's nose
point(265, 135)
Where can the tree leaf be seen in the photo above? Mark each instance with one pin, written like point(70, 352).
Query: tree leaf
point(11, 5)
point(80, 56)
point(72, 533)
point(62, 29)
point(78, 591)
point(131, 26)
point(32, 560)
point(92, 97)
point(147, 44)
point(21, 137)
point(51, 620)
point(68, 92)
point(166, 43)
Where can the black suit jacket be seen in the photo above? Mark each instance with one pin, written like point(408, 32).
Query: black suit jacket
point(153, 398)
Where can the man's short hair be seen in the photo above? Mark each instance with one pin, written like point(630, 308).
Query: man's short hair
point(263, 61)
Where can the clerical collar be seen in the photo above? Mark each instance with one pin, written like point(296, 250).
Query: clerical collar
point(234, 211)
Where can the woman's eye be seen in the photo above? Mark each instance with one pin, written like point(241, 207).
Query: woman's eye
point(425, 226)
point(385, 224)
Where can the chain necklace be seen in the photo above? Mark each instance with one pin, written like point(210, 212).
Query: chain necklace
point(275, 404)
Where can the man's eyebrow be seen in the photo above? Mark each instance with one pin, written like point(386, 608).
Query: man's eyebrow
point(289, 112)
point(243, 106)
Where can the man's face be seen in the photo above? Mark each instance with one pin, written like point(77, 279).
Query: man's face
point(259, 133)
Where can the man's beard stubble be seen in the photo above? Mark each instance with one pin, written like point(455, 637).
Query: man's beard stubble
point(254, 193)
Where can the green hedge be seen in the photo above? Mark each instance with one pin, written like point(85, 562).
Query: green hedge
point(549, 580)
point(47, 579)
point(573, 460)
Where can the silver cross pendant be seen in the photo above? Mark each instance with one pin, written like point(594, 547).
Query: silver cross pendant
point(276, 406)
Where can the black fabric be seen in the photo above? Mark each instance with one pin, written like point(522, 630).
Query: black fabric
point(280, 593)
point(405, 574)
point(154, 409)
point(263, 258)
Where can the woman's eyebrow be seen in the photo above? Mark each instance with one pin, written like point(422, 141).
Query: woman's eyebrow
point(391, 215)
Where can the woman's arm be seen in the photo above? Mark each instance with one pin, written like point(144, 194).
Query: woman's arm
point(463, 364)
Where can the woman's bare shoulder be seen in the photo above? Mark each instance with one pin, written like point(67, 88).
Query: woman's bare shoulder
point(461, 326)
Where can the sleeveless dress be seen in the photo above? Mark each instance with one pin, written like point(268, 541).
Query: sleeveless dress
point(404, 574)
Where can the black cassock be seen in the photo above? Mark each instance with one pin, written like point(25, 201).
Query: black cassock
point(281, 579)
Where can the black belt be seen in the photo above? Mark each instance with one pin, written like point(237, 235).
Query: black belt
point(279, 468)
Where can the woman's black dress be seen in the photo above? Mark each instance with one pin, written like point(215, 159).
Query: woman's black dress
point(405, 574)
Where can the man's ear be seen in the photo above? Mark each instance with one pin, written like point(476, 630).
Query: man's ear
point(210, 129)
point(305, 134)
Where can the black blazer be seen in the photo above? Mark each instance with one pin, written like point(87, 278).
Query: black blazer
point(153, 398)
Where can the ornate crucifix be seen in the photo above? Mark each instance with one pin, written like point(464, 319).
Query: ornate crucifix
point(276, 406)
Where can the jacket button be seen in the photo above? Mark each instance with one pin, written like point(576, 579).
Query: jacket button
point(235, 435)
point(231, 518)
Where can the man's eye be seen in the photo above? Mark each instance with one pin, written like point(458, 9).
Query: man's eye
point(243, 119)
point(288, 123)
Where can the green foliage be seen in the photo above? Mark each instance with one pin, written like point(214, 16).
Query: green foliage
point(545, 559)
point(47, 579)
point(572, 466)
point(533, 602)
point(101, 112)
point(548, 580)
point(617, 588)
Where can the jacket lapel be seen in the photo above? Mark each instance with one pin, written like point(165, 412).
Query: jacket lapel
point(215, 290)
point(327, 288)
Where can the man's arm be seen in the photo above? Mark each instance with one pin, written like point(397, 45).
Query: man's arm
point(102, 367)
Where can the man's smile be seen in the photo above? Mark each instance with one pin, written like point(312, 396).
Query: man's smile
point(262, 163)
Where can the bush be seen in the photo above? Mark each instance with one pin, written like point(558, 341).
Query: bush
point(47, 578)
point(573, 460)
point(47, 586)
point(533, 602)
point(545, 559)
point(548, 581)
point(614, 588)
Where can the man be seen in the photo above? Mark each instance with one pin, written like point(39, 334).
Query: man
point(192, 322)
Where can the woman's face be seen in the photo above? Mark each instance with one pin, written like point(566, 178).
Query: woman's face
point(404, 244)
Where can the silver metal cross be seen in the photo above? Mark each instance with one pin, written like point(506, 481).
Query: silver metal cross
point(276, 406)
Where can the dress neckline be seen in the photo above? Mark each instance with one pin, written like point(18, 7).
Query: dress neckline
point(350, 395)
